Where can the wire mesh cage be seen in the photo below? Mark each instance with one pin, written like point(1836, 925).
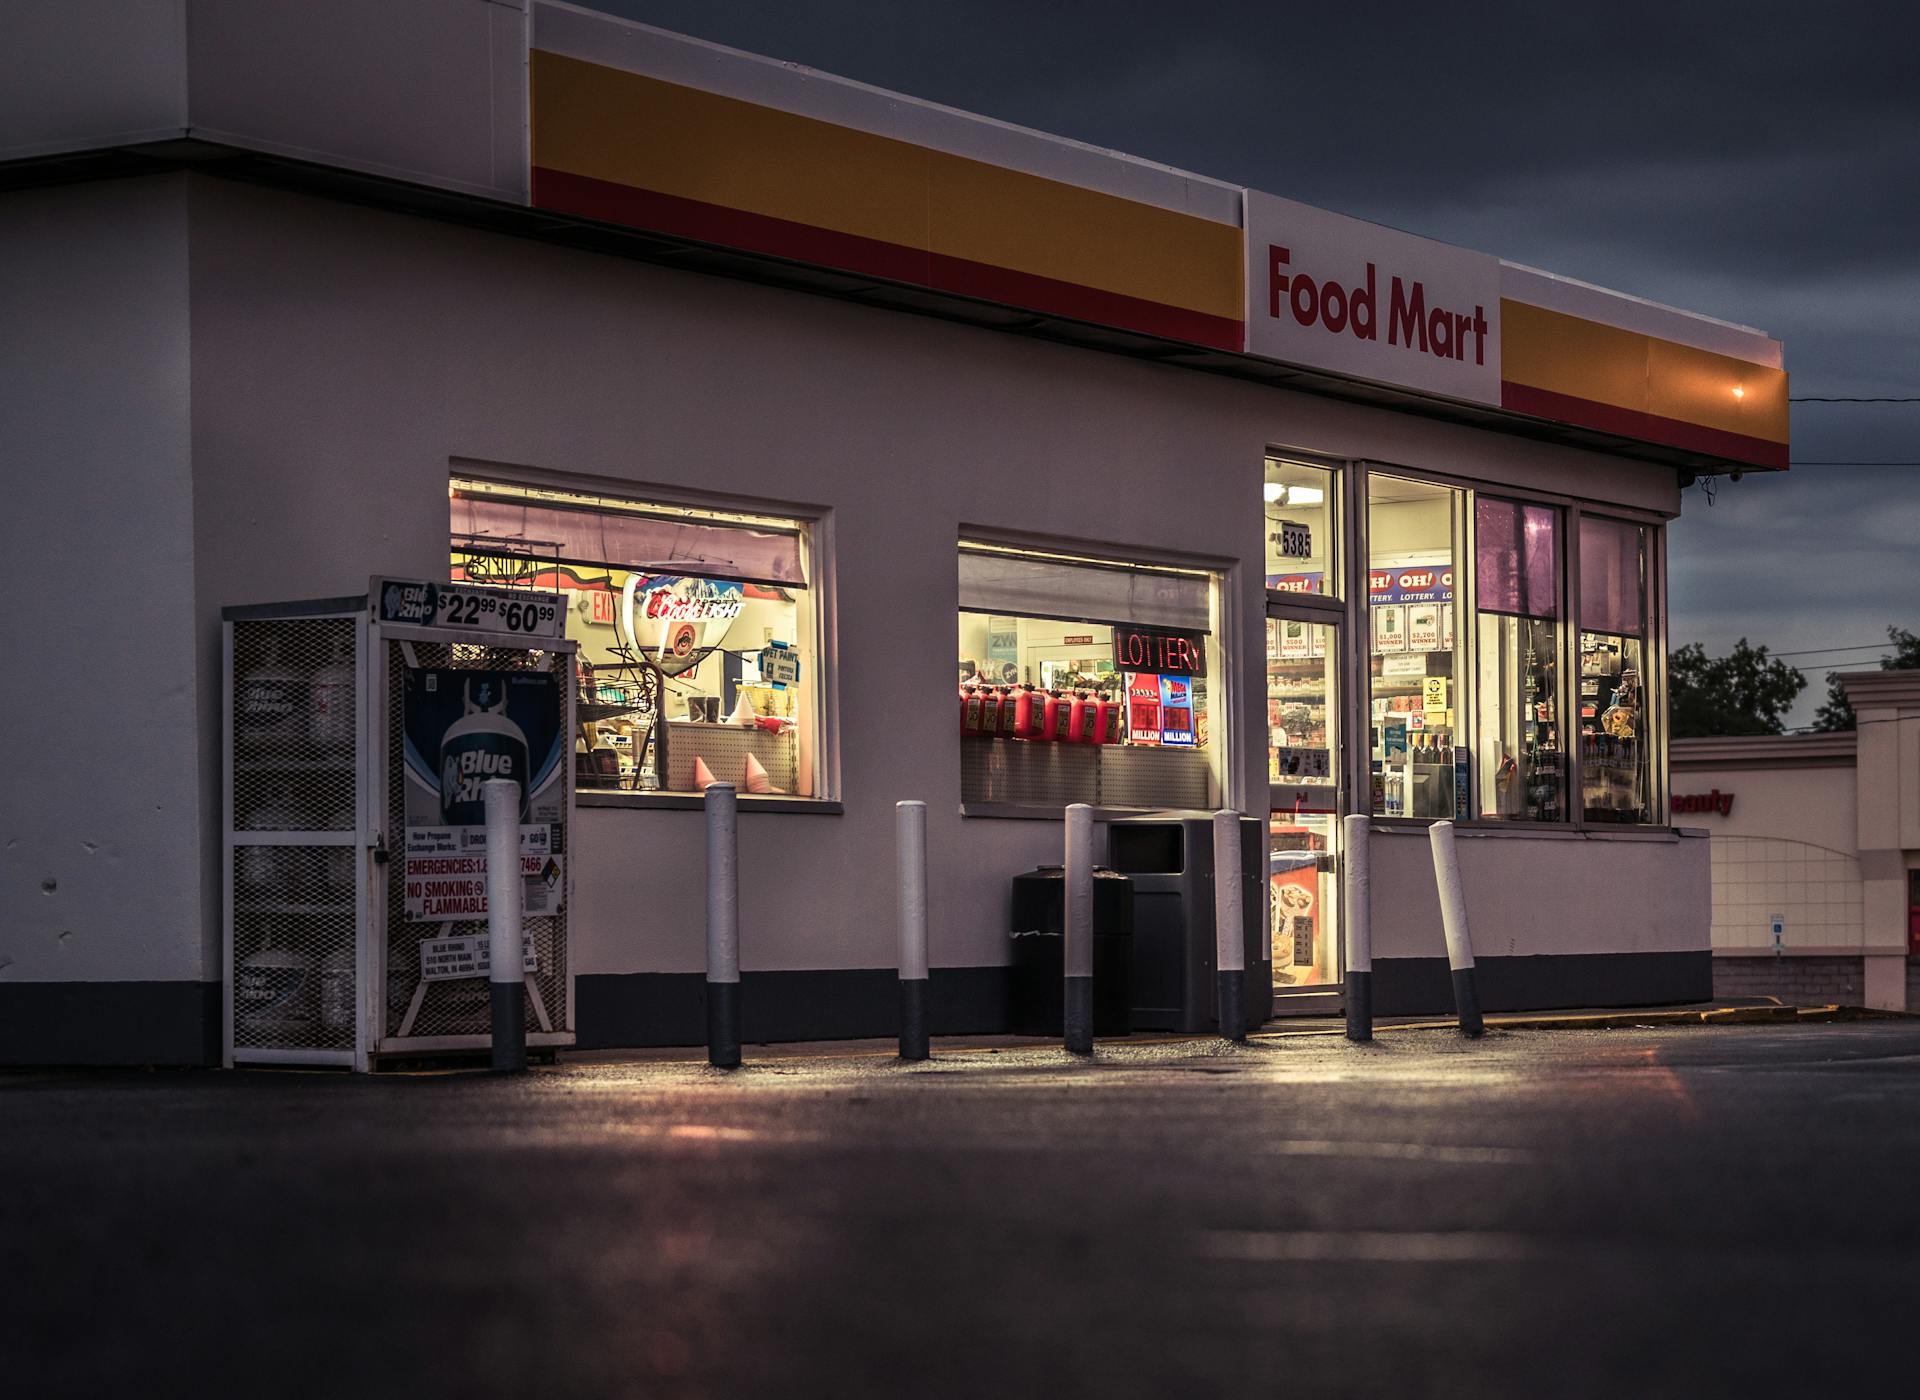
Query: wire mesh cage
point(294, 922)
point(293, 773)
point(294, 727)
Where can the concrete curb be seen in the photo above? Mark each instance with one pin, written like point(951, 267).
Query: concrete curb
point(1689, 1016)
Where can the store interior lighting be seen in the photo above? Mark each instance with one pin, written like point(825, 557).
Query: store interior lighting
point(1279, 494)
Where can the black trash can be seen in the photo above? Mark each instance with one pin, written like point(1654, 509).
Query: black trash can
point(1038, 993)
point(1169, 858)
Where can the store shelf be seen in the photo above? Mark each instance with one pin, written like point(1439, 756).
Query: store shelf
point(594, 712)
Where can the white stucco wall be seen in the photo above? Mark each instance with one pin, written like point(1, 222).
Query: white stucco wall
point(1544, 895)
point(77, 74)
point(343, 356)
point(1814, 805)
point(103, 874)
point(433, 92)
point(1788, 847)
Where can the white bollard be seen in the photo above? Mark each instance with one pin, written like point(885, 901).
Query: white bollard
point(1453, 918)
point(1077, 926)
point(506, 892)
point(910, 823)
point(1358, 917)
point(723, 927)
point(1229, 947)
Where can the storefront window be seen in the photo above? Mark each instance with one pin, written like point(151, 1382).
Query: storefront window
point(1085, 680)
point(1413, 667)
point(1615, 782)
point(1301, 516)
point(697, 660)
point(1522, 762)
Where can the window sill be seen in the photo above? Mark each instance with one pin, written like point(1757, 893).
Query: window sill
point(691, 802)
point(1011, 811)
point(1507, 831)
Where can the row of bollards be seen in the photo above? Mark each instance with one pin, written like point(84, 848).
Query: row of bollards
point(1358, 888)
point(505, 894)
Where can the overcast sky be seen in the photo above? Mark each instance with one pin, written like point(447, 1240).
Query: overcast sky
point(1756, 162)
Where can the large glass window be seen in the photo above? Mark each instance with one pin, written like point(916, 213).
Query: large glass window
point(1615, 755)
point(1522, 769)
point(1085, 680)
point(1413, 650)
point(1301, 524)
point(697, 656)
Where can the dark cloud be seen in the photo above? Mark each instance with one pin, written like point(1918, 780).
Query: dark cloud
point(1758, 162)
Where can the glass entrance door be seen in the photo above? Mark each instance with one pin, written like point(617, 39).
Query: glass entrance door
point(1306, 800)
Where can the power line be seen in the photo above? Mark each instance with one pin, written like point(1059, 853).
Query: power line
point(1815, 399)
point(1854, 464)
point(1822, 651)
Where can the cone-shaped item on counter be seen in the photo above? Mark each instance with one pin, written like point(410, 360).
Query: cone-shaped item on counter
point(758, 779)
point(742, 712)
point(702, 775)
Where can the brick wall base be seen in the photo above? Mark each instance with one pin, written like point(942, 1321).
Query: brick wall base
point(1798, 981)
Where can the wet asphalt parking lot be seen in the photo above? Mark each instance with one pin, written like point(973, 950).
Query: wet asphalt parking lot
point(1637, 1212)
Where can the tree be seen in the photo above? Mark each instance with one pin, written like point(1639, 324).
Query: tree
point(1837, 712)
point(1743, 692)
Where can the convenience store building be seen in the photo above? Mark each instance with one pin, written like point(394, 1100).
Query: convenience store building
point(872, 416)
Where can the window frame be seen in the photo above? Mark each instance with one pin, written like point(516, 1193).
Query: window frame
point(1229, 710)
point(1566, 658)
point(1654, 636)
point(815, 526)
point(1572, 508)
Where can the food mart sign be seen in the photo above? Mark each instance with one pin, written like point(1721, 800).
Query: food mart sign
point(1361, 299)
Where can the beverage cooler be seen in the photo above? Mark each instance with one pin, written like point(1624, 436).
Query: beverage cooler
point(357, 734)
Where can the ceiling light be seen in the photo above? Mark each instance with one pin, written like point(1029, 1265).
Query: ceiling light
point(1274, 492)
point(1739, 392)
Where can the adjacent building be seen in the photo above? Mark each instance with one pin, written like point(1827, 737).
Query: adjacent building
point(1816, 852)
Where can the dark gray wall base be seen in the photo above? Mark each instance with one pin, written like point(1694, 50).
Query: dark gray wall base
point(109, 1023)
point(619, 1010)
point(1424, 986)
